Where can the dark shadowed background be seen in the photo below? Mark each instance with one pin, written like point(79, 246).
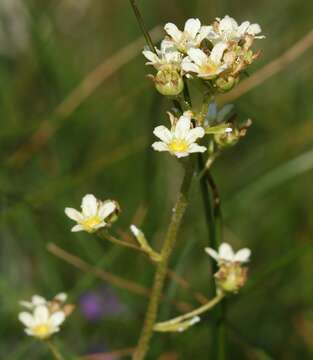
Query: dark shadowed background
point(77, 114)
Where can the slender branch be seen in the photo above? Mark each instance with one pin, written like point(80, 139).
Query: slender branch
point(142, 25)
point(105, 235)
point(202, 309)
point(54, 351)
point(169, 242)
point(121, 282)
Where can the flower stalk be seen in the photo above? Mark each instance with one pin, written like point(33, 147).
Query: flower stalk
point(174, 323)
point(160, 275)
point(54, 351)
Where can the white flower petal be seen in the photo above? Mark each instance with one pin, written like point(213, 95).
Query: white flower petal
point(181, 154)
point(204, 32)
point(212, 253)
point(41, 314)
point(73, 214)
point(26, 304)
point(54, 330)
point(242, 29)
point(136, 231)
point(243, 255)
point(192, 27)
point(89, 205)
point(182, 127)
point(226, 252)
point(254, 29)
point(26, 318)
point(57, 318)
point(173, 31)
point(194, 134)
point(77, 228)
point(38, 300)
point(29, 332)
point(62, 297)
point(194, 148)
point(197, 56)
point(217, 52)
point(168, 46)
point(100, 225)
point(159, 146)
point(163, 133)
point(106, 209)
point(152, 57)
point(228, 24)
point(189, 66)
point(172, 57)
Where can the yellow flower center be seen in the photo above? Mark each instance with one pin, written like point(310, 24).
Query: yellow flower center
point(91, 222)
point(178, 146)
point(41, 331)
point(209, 69)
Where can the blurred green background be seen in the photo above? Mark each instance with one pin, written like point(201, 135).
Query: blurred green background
point(98, 141)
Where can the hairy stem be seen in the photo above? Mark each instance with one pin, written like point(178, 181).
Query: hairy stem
point(168, 245)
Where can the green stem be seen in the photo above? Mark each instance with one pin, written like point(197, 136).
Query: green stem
point(213, 214)
point(208, 212)
point(221, 341)
point(187, 96)
point(169, 242)
point(142, 25)
point(200, 310)
point(54, 351)
point(105, 235)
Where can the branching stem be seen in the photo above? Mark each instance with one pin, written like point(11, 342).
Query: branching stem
point(160, 275)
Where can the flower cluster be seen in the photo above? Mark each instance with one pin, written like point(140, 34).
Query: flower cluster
point(217, 54)
point(231, 275)
point(44, 317)
point(95, 214)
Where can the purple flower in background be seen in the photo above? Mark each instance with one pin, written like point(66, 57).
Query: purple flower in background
point(96, 304)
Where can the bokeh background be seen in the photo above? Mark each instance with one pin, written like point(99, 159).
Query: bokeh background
point(77, 114)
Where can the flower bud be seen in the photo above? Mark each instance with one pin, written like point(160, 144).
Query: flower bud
point(168, 81)
point(232, 135)
point(114, 215)
point(227, 138)
point(231, 277)
point(226, 84)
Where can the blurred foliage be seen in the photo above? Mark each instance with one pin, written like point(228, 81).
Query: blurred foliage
point(103, 147)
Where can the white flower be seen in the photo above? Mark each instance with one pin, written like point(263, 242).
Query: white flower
point(206, 67)
point(226, 254)
point(45, 316)
point(38, 300)
point(167, 55)
point(180, 139)
point(227, 29)
point(42, 323)
point(93, 215)
point(192, 36)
